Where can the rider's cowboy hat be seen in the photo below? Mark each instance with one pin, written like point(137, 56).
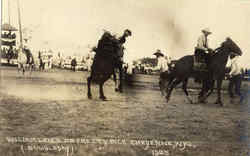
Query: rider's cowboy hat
point(127, 31)
point(158, 53)
point(206, 30)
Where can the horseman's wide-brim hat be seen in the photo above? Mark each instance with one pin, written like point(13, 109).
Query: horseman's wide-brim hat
point(158, 53)
point(206, 30)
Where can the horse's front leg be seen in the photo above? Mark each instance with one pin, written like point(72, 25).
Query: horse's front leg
point(172, 86)
point(184, 87)
point(89, 79)
point(169, 84)
point(120, 80)
point(218, 101)
point(202, 95)
point(210, 89)
point(164, 84)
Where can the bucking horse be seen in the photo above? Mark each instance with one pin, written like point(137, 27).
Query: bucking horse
point(216, 68)
point(105, 63)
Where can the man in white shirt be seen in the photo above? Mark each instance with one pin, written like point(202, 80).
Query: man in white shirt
point(162, 63)
point(235, 76)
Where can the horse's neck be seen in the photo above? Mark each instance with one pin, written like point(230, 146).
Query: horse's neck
point(220, 57)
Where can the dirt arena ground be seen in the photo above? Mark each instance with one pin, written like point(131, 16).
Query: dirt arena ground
point(54, 105)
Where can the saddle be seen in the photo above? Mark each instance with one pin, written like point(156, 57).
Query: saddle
point(199, 64)
point(200, 60)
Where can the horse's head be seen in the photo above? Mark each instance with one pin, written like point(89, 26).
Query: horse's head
point(231, 46)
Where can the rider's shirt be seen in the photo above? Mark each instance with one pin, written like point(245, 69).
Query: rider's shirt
point(202, 42)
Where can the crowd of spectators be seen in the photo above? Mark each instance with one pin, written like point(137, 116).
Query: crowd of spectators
point(10, 53)
point(8, 35)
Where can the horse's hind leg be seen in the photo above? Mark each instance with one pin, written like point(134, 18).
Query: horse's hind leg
point(89, 87)
point(101, 83)
point(184, 87)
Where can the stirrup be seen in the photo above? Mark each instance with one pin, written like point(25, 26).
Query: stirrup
point(196, 62)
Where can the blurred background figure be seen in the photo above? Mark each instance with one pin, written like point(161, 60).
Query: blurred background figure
point(130, 68)
point(73, 64)
point(89, 60)
point(50, 62)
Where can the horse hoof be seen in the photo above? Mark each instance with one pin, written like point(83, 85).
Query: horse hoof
point(167, 99)
point(89, 96)
point(219, 103)
point(202, 101)
point(103, 98)
point(118, 90)
point(232, 100)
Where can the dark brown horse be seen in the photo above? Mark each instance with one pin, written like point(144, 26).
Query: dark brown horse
point(109, 52)
point(216, 64)
point(102, 69)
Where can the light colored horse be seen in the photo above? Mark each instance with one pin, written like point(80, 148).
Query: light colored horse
point(22, 61)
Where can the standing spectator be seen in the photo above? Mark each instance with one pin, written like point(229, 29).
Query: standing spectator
point(4, 54)
point(90, 59)
point(73, 64)
point(5, 35)
point(130, 68)
point(41, 67)
point(10, 54)
point(162, 63)
point(235, 77)
point(50, 62)
point(9, 35)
